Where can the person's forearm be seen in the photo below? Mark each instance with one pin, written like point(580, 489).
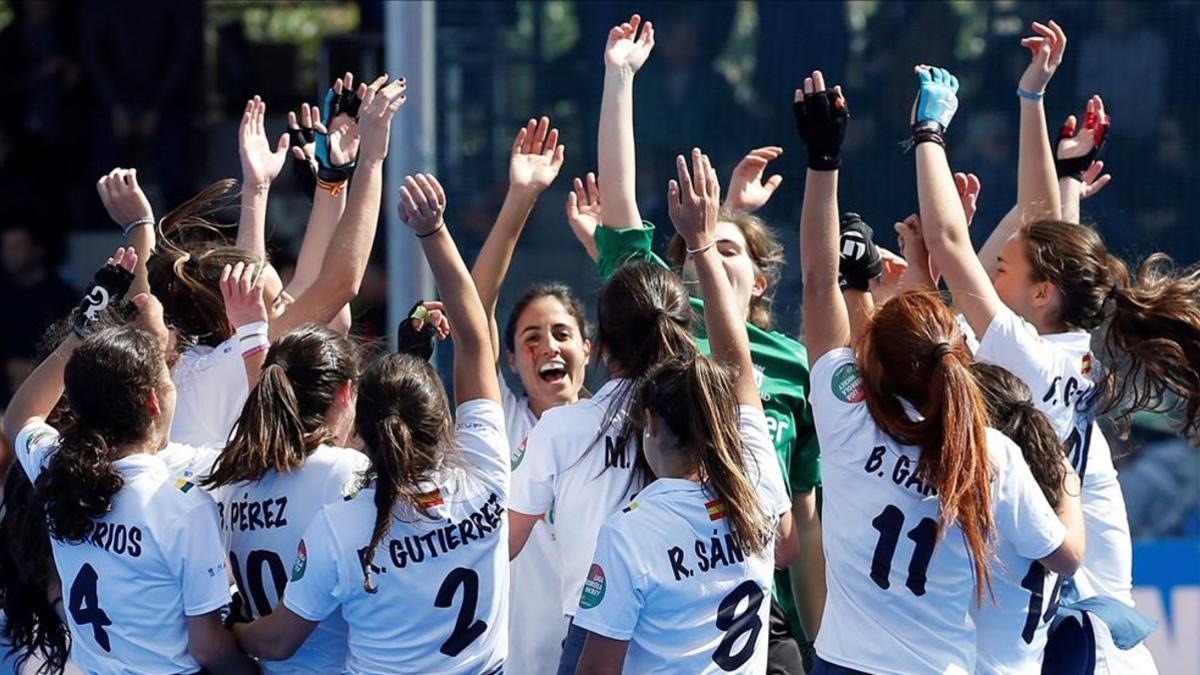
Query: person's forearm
point(808, 579)
point(1037, 182)
point(229, 658)
point(860, 306)
point(491, 266)
point(322, 223)
point(616, 157)
point(39, 393)
point(346, 257)
point(989, 253)
point(1070, 191)
point(457, 292)
point(941, 211)
point(143, 240)
point(726, 328)
point(252, 219)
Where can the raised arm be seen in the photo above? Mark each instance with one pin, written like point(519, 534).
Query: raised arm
point(860, 266)
point(584, 214)
point(423, 207)
point(242, 293)
point(536, 160)
point(129, 208)
point(821, 117)
point(38, 394)
point(260, 167)
point(624, 54)
point(943, 222)
point(747, 189)
point(694, 202)
point(1079, 174)
point(1037, 185)
point(346, 257)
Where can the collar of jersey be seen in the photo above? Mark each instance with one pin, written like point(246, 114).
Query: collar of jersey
point(610, 388)
point(139, 462)
point(1074, 340)
point(667, 485)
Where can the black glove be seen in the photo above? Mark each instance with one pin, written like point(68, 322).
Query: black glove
point(236, 611)
point(859, 259)
point(821, 122)
point(418, 343)
point(1074, 167)
point(109, 286)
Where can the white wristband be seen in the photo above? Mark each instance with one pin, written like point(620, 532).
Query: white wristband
point(252, 338)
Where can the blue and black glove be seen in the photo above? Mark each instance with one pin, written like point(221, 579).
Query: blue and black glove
point(334, 104)
point(937, 101)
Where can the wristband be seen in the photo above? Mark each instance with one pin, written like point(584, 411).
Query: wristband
point(1030, 95)
point(334, 188)
point(136, 222)
point(702, 249)
point(252, 338)
point(927, 136)
point(431, 232)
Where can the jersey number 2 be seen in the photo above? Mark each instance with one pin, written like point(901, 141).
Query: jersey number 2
point(467, 628)
point(924, 535)
point(85, 606)
point(736, 625)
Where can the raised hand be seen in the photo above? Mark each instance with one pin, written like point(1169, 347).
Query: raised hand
point(537, 156)
point(860, 261)
point(242, 291)
point(747, 190)
point(968, 187)
point(260, 164)
point(1046, 55)
point(110, 284)
point(1094, 180)
point(584, 214)
point(821, 117)
point(124, 200)
point(1077, 149)
point(337, 146)
point(694, 201)
point(920, 272)
point(937, 99)
point(626, 49)
point(422, 204)
point(379, 104)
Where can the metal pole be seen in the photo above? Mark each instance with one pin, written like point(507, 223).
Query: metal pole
point(409, 30)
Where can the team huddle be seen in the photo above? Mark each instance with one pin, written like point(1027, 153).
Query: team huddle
point(212, 476)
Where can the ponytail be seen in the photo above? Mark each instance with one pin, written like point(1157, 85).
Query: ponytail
point(697, 400)
point(403, 420)
point(1152, 344)
point(283, 419)
point(1152, 341)
point(1012, 413)
point(913, 349)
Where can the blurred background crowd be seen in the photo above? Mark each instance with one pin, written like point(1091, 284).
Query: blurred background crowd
point(160, 86)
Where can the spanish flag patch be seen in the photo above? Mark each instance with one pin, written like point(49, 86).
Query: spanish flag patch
point(430, 499)
point(184, 484)
point(716, 509)
point(1087, 364)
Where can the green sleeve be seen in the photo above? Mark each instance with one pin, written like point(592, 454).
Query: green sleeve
point(617, 247)
point(805, 471)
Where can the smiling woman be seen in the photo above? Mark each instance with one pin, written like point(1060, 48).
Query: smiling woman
point(547, 346)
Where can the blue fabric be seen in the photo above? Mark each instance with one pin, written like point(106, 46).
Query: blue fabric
point(822, 667)
point(572, 648)
point(1127, 625)
point(938, 97)
point(1070, 647)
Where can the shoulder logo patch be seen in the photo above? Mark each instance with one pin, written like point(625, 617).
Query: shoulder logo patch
point(847, 384)
point(519, 453)
point(593, 588)
point(301, 565)
point(184, 484)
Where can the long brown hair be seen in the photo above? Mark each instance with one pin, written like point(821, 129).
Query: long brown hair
point(106, 380)
point(404, 423)
point(913, 349)
point(1012, 412)
point(185, 270)
point(764, 250)
point(284, 417)
point(1152, 340)
point(696, 398)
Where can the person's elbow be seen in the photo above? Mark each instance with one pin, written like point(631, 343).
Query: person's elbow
point(209, 643)
point(1068, 557)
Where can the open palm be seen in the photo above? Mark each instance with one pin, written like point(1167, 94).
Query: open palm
point(625, 48)
point(537, 156)
point(261, 163)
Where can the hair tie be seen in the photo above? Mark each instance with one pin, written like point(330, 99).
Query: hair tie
point(941, 349)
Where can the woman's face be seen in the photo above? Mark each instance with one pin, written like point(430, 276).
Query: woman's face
point(1013, 278)
point(551, 353)
point(739, 267)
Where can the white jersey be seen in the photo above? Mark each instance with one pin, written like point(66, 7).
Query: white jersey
point(899, 592)
point(263, 522)
point(211, 388)
point(154, 559)
point(1058, 369)
point(669, 578)
point(536, 624)
point(1013, 623)
point(440, 604)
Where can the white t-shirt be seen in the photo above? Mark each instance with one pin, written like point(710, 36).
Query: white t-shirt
point(669, 578)
point(536, 624)
point(1011, 631)
point(154, 559)
point(264, 521)
point(1059, 369)
point(441, 597)
point(211, 388)
point(899, 596)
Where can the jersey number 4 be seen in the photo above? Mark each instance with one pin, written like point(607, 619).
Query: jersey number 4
point(85, 606)
point(924, 535)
